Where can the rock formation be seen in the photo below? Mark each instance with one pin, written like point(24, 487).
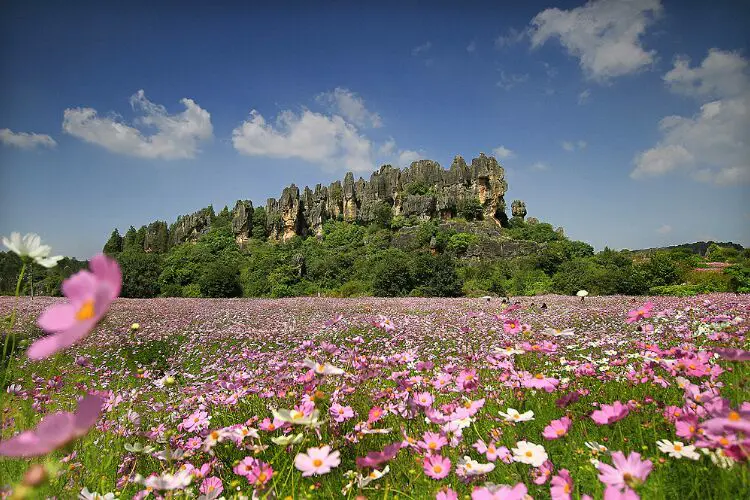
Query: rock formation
point(424, 190)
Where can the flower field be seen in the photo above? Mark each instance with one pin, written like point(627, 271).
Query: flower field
point(612, 397)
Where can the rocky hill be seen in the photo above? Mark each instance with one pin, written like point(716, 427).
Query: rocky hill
point(424, 191)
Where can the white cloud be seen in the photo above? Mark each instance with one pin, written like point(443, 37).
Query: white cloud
point(176, 137)
point(421, 48)
point(350, 106)
point(713, 145)
point(511, 37)
point(26, 140)
point(407, 156)
point(329, 141)
point(507, 82)
point(664, 229)
point(503, 153)
point(471, 47)
point(583, 97)
point(605, 35)
point(387, 148)
point(571, 146)
point(720, 74)
point(539, 167)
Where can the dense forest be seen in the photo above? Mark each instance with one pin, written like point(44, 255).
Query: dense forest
point(352, 259)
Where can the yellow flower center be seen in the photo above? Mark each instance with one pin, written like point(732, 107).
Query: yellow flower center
point(539, 376)
point(296, 414)
point(86, 311)
point(214, 435)
point(432, 445)
point(437, 469)
point(317, 462)
point(560, 432)
point(529, 454)
point(724, 441)
point(733, 416)
point(677, 447)
point(262, 477)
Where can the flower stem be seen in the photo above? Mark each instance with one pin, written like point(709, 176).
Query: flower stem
point(8, 333)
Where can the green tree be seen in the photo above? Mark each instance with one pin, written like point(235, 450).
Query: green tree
point(383, 214)
point(392, 275)
point(470, 209)
point(220, 279)
point(259, 223)
point(140, 274)
point(114, 243)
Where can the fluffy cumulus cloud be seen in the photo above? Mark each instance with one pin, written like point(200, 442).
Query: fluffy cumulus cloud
point(712, 145)
point(173, 137)
point(329, 141)
point(503, 153)
point(605, 35)
point(352, 107)
point(26, 140)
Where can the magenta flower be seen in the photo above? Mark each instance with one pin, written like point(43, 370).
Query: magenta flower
point(561, 485)
point(432, 441)
point(90, 294)
point(511, 326)
point(627, 473)
point(436, 466)
point(446, 493)
point(642, 312)
point(375, 458)
point(539, 381)
point(557, 428)
point(732, 354)
point(55, 430)
point(610, 413)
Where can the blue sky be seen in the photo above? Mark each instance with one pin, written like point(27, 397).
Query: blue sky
point(627, 123)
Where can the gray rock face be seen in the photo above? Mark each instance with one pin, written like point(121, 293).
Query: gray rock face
point(424, 190)
point(518, 209)
point(190, 227)
point(242, 220)
point(157, 237)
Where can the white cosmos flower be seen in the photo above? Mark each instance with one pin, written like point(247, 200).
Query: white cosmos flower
point(529, 453)
point(363, 480)
point(323, 369)
point(168, 481)
point(85, 494)
point(513, 416)
point(468, 467)
point(676, 449)
point(31, 246)
point(297, 417)
point(567, 332)
point(288, 439)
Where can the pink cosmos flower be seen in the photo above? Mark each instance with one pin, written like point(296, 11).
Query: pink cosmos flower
point(610, 413)
point(492, 452)
point(642, 312)
point(541, 474)
point(500, 492)
point(436, 466)
point(317, 461)
point(375, 414)
point(627, 473)
point(55, 430)
point(467, 380)
point(539, 381)
point(423, 399)
point(90, 294)
point(376, 458)
point(212, 487)
point(446, 493)
point(341, 413)
point(557, 428)
point(511, 326)
point(561, 485)
point(432, 441)
point(196, 422)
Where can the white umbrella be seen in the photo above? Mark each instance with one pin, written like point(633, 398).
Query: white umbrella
point(582, 293)
point(486, 297)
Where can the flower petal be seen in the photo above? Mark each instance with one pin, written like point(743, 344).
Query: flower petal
point(45, 347)
point(57, 318)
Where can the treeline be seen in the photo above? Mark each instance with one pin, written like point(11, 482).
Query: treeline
point(353, 260)
point(41, 280)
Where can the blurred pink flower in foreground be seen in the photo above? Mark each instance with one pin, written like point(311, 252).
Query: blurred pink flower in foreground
point(90, 294)
point(610, 413)
point(55, 430)
point(627, 473)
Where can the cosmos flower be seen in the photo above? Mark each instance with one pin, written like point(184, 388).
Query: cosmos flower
point(317, 461)
point(676, 449)
point(31, 246)
point(561, 485)
point(627, 473)
point(529, 453)
point(512, 415)
point(436, 466)
point(608, 414)
point(557, 428)
point(90, 294)
point(55, 430)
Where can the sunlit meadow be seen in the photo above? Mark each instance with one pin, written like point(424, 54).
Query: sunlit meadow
point(381, 398)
